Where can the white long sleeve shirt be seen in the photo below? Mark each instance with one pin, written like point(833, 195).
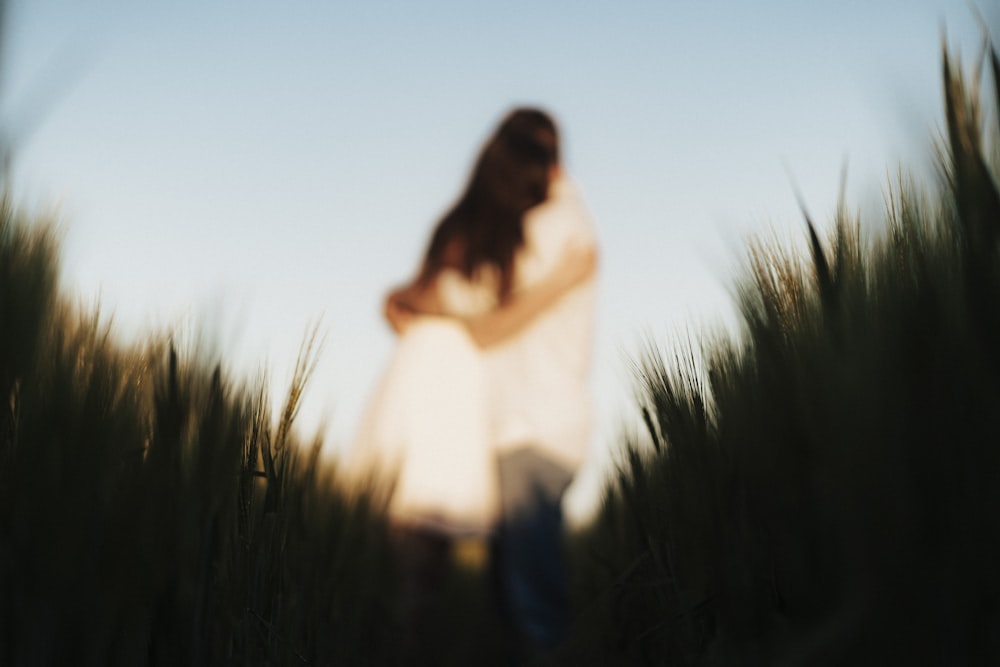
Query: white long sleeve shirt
point(538, 381)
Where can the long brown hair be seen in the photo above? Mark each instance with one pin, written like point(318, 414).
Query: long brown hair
point(510, 176)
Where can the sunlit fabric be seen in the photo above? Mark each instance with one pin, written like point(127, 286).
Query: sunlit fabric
point(426, 426)
point(538, 380)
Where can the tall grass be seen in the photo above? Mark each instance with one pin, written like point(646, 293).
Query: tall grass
point(825, 489)
point(153, 513)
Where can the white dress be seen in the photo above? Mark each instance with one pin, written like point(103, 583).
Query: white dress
point(426, 427)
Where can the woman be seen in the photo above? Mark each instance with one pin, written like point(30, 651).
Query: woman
point(427, 425)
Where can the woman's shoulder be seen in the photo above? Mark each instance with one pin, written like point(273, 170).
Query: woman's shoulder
point(564, 212)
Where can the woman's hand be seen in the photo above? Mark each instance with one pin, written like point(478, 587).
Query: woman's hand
point(397, 311)
point(406, 302)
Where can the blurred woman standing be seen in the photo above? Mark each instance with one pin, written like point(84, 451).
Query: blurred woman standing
point(429, 426)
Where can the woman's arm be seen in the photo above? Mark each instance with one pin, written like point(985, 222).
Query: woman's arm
point(419, 297)
point(577, 265)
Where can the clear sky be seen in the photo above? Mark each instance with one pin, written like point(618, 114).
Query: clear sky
point(251, 167)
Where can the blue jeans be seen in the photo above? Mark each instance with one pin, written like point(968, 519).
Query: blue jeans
point(529, 561)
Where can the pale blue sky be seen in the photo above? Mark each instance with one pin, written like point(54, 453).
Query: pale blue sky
point(252, 166)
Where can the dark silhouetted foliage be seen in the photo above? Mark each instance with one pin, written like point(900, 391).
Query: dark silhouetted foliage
point(824, 491)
